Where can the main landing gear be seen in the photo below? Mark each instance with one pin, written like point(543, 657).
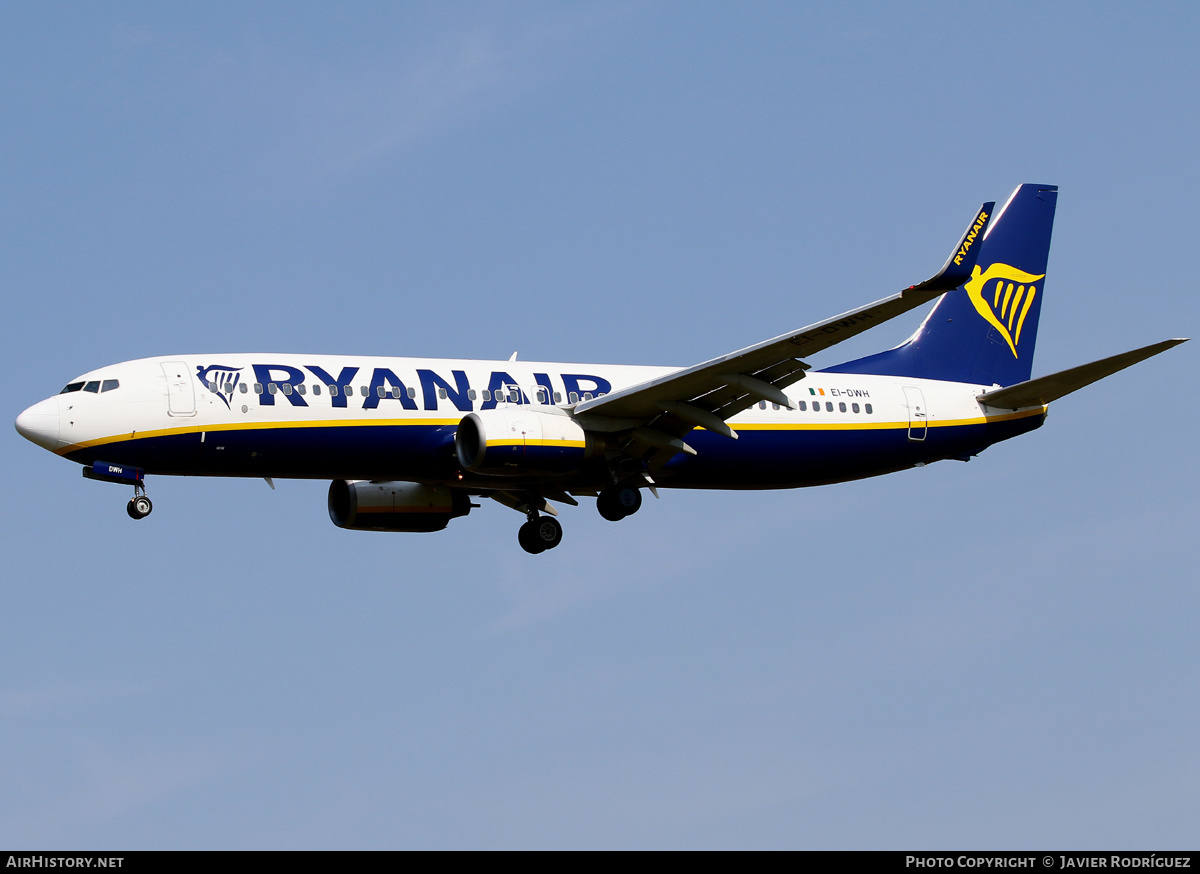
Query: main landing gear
point(539, 533)
point(617, 502)
point(139, 505)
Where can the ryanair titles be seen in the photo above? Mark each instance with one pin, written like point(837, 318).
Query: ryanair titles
point(980, 221)
point(368, 389)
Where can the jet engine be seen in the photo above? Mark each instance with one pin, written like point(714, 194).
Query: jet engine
point(517, 440)
point(394, 506)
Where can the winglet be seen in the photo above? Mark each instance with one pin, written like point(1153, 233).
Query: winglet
point(958, 266)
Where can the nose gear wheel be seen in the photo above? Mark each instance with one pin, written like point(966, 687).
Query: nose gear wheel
point(139, 507)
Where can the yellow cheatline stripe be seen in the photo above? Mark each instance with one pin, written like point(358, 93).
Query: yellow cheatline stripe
point(574, 444)
point(883, 426)
point(356, 423)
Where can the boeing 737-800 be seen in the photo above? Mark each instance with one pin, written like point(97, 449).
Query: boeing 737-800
point(408, 443)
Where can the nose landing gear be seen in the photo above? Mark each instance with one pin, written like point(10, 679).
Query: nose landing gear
point(139, 505)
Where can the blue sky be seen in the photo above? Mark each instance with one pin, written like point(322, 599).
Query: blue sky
point(998, 654)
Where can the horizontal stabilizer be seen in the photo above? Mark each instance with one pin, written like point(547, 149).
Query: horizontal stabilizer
point(1044, 389)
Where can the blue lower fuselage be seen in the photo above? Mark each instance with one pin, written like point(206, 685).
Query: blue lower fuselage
point(766, 457)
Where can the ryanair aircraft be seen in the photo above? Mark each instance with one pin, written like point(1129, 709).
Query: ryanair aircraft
point(408, 443)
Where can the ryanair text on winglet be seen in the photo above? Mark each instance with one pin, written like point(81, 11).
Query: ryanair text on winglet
point(980, 221)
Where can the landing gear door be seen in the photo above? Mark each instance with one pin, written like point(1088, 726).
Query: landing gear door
point(918, 414)
point(181, 394)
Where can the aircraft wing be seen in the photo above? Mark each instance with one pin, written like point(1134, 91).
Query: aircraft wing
point(1044, 389)
point(661, 411)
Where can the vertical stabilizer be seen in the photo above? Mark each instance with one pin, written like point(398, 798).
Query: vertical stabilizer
point(984, 332)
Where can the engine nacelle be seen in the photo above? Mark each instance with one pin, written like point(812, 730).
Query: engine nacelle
point(515, 441)
point(394, 506)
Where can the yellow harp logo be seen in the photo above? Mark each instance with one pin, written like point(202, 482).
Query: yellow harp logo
point(1003, 296)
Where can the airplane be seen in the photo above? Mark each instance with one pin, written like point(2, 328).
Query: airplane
point(407, 443)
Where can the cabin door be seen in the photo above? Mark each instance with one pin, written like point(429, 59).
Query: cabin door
point(918, 414)
point(181, 394)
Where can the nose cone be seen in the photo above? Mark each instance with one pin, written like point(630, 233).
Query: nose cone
point(39, 424)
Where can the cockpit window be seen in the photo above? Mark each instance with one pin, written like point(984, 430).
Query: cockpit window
point(93, 386)
point(71, 386)
point(109, 385)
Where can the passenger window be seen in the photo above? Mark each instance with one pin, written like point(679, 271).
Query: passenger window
point(242, 387)
point(287, 388)
point(272, 388)
point(301, 388)
point(333, 391)
point(317, 388)
point(364, 390)
point(258, 388)
point(841, 408)
point(487, 395)
point(868, 409)
point(829, 406)
point(441, 394)
point(573, 397)
point(587, 395)
point(471, 394)
point(854, 407)
point(212, 386)
point(379, 391)
point(93, 387)
point(412, 392)
point(774, 406)
point(558, 397)
point(109, 385)
point(803, 406)
point(762, 405)
point(70, 387)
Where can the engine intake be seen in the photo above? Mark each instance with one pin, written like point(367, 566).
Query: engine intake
point(361, 505)
point(517, 440)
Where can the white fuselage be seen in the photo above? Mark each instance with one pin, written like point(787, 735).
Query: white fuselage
point(286, 415)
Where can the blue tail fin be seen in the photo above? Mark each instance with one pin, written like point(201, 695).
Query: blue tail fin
point(984, 331)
